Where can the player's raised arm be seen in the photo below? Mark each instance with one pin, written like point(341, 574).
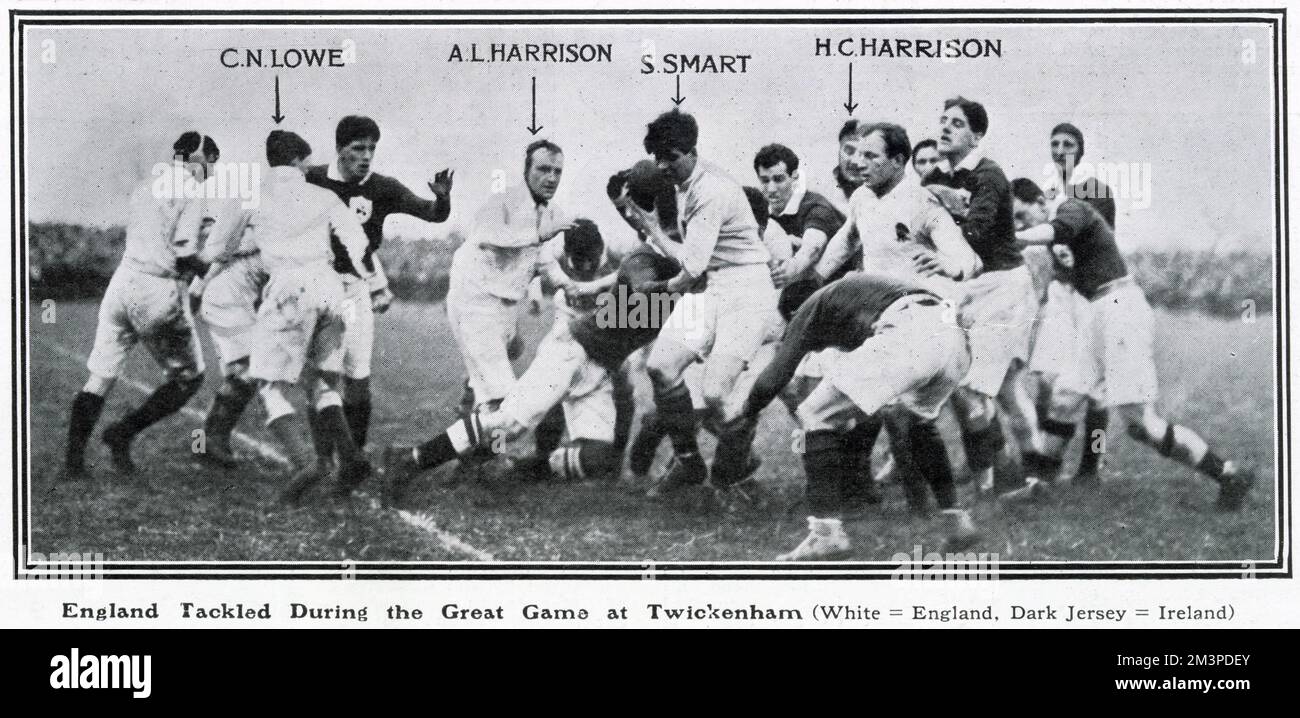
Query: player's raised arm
point(435, 210)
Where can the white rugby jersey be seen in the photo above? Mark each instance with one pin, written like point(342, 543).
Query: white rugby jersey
point(163, 226)
point(891, 228)
point(291, 225)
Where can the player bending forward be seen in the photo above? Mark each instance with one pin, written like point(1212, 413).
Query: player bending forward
point(1115, 366)
point(885, 341)
point(573, 365)
point(300, 320)
point(146, 301)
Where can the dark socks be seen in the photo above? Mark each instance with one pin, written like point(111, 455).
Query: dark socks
point(356, 407)
point(163, 402)
point(677, 418)
point(829, 465)
point(86, 409)
point(1096, 420)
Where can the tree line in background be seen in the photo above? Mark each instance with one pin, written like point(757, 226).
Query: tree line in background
point(70, 261)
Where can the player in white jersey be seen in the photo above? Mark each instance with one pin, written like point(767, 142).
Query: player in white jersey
point(146, 302)
point(300, 320)
point(722, 325)
point(228, 297)
point(905, 233)
point(491, 271)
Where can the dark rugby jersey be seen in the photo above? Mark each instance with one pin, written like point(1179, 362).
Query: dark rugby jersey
point(814, 212)
point(839, 315)
point(373, 199)
point(1097, 259)
point(1098, 196)
point(989, 225)
point(629, 315)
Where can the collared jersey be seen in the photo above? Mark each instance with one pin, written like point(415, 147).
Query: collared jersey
point(373, 198)
point(989, 224)
point(499, 257)
point(718, 227)
point(1097, 259)
point(163, 227)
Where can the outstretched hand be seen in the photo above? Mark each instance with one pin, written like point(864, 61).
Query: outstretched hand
point(441, 184)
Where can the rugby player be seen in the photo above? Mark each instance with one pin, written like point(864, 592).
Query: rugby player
point(491, 271)
point(1000, 302)
point(885, 341)
point(722, 325)
point(1056, 341)
point(373, 197)
point(925, 157)
point(300, 319)
point(905, 233)
point(146, 301)
point(1115, 366)
point(572, 367)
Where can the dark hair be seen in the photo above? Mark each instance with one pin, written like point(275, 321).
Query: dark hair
point(1025, 190)
point(354, 127)
point(974, 111)
point(583, 240)
point(189, 142)
point(895, 137)
point(758, 203)
point(850, 129)
point(537, 145)
point(922, 145)
point(673, 130)
point(1069, 129)
point(773, 154)
point(283, 147)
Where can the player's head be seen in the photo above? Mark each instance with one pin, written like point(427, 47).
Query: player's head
point(795, 294)
point(543, 166)
point(885, 151)
point(850, 162)
point(758, 205)
point(197, 152)
point(777, 167)
point(925, 156)
point(1067, 147)
point(671, 140)
point(355, 139)
point(961, 127)
point(584, 247)
point(1029, 204)
point(286, 149)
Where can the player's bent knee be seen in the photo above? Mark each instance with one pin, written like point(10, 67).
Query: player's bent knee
point(237, 369)
point(1066, 406)
point(98, 385)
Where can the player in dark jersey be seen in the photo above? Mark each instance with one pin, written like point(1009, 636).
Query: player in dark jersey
point(573, 365)
point(884, 342)
point(1056, 333)
point(1116, 366)
point(373, 197)
point(1000, 302)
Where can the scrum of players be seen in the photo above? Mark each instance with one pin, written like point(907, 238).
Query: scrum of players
point(903, 292)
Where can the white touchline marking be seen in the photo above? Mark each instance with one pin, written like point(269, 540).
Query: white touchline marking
point(418, 520)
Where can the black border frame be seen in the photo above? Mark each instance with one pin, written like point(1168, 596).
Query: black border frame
point(1275, 18)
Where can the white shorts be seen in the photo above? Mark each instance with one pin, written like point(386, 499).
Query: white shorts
point(1116, 364)
point(139, 307)
point(916, 358)
point(999, 308)
point(561, 373)
point(1059, 336)
point(229, 307)
point(299, 322)
point(483, 326)
point(358, 328)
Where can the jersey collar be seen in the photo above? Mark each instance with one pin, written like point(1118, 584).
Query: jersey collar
point(332, 172)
